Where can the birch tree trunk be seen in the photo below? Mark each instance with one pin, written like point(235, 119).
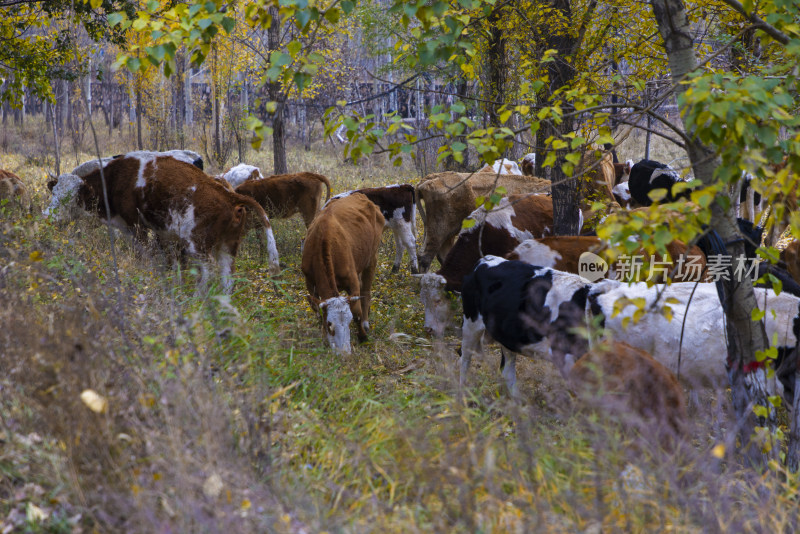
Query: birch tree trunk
point(747, 376)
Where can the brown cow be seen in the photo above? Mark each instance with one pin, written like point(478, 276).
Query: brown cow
point(497, 232)
point(341, 254)
point(564, 254)
point(445, 199)
point(176, 200)
point(283, 195)
point(630, 383)
point(12, 189)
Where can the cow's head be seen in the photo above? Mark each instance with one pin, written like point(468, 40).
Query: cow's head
point(66, 197)
point(436, 301)
point(336, 317)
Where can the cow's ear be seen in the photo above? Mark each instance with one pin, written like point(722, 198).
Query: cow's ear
point(239, 213)
point(314, 301)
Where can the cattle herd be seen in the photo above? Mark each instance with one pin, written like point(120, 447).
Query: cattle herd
point(519, 285)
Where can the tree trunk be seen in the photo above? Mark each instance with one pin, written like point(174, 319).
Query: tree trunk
point(139, 118)
point(180, 98)
point(275, 95)
point(746, 375)
point(496, 69)
point(561, 72)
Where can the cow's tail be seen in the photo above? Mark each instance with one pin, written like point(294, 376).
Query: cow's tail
point(263, 220)
point(327, 183)
point(418, 202)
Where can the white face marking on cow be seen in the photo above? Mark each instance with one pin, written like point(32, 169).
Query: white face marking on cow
point(337, 316)
point(530, 157)
point(225, 261)
point(536, 253)
point(564, 287)
point(436, 303)
point(241, 173)
point(182, 223)
point(187, 156)
point(64, 203)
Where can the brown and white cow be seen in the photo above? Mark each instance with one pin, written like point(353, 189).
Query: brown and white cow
point(597, 177)
point(188, 156)
point(174, 199)
point(497, 232)
point(242, 172)
point(445, 199)
point(398, 207)
point(283, 195)
point(528, 163)
point(341, 254)
point(13, 190)
point(564, 253)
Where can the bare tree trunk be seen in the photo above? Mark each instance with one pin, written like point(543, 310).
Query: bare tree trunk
point(275, 95)
point(139, 144)
point(215, 109)
point(496, 69)
point(180, 98)
point(561, 72)
point(747, 376)
point(55, 140)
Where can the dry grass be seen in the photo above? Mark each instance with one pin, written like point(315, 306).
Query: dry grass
point(230, 414)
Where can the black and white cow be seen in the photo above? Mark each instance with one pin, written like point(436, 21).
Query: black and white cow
point(647, 176)
point(533, 310)
point(399, 209)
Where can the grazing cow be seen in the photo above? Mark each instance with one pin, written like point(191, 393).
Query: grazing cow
point(239, 174)
point(283, 195)
point(497, 232)
point(628, 381)
point(84, 169)
point(564, 254)
point(445, 199)
point(528, 163)
point(502, 166)
point(622, 171)
point(702, 353)
point(12, 189)
point(341, 254)
point(530, 310)
point(176, 200)
point(399, 208)
point(647, 176)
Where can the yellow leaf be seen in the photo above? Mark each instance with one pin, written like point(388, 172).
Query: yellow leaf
point(718, 451)
point(245, 504)
point(35, 256)
point(95, 402)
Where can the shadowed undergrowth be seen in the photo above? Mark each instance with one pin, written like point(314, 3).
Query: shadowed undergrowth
point(230, 414)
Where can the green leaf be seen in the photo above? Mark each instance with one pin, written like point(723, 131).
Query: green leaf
point(152, 6)
point(347, 6)
point(294, 47)
point(467, 223)
point(228, 24)
point(279, 59)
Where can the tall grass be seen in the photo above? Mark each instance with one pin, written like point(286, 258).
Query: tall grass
point(230, 413)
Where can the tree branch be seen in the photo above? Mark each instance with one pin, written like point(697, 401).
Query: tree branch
point(762, 25)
